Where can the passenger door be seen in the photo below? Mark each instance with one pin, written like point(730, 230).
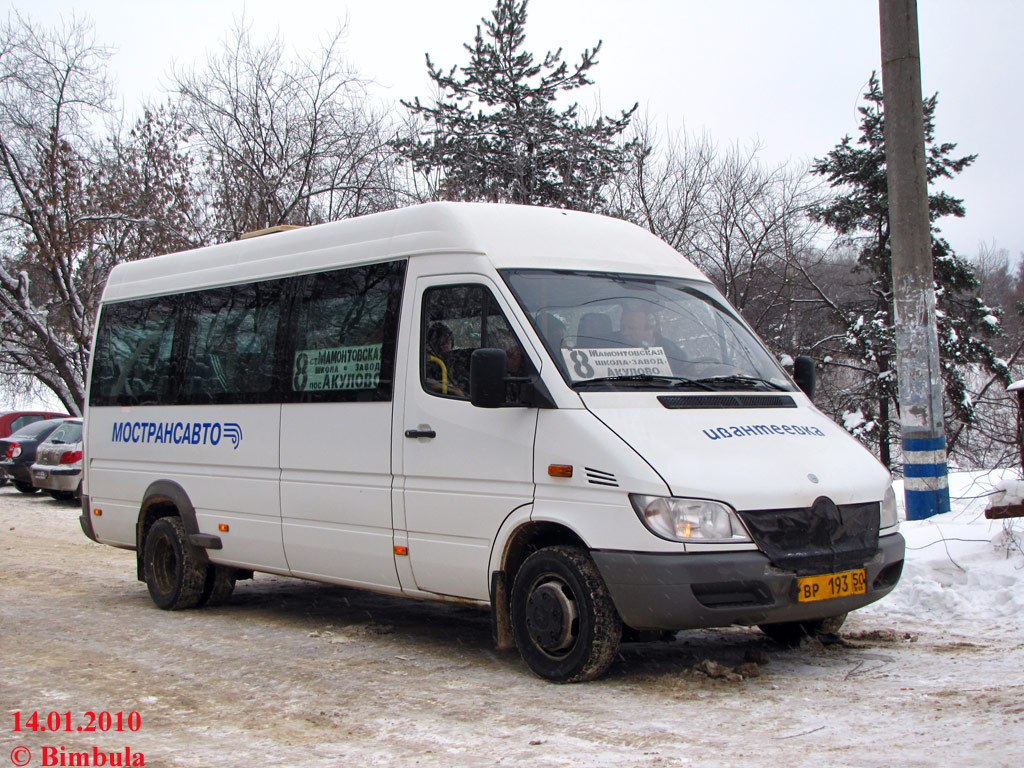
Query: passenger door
point(463, 469)
point(336, 482)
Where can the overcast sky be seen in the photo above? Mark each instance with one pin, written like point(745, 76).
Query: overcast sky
point(785, 73)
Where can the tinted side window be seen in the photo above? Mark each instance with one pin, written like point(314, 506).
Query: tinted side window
point(345, 333)
point(22, 421)
point(132, 362)
point(232, 343)
point(457, 320)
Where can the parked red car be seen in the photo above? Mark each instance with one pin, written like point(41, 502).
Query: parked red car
point(12, 421)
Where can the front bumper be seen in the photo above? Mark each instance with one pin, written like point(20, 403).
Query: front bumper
point(690, 591)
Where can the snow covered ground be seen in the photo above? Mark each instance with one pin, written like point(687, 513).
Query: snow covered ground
point(296, 674)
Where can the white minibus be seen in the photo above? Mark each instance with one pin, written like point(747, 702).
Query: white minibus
point(546, 413)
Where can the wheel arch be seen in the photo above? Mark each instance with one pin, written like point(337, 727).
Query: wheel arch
point(526, 539)
point(165, 498)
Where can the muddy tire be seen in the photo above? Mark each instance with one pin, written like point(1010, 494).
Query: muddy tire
point(791, 633)
point(220, 583)
point(565, 625)
point(175, 577)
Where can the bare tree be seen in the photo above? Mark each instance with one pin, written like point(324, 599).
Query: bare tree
point(71, 204)
point(284, 140)
point(52, 93)
point(744, 224)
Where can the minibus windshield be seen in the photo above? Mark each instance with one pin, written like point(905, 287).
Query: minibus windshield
point(619, 332)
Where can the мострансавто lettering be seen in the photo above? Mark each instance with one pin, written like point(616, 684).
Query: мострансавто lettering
point(177, 432)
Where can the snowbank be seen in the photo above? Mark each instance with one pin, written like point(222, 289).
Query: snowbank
point(962, 571)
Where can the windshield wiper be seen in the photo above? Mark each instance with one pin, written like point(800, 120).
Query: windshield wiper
point(746, 382)
point(646, 380)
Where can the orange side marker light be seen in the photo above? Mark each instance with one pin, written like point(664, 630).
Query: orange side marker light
point(401, 551)
point(223, 527)
point(560, 470)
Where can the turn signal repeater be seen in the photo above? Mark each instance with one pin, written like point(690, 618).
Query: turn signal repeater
point(223, 527)
point(97, 513)
point(560, 470)
point(401, 551)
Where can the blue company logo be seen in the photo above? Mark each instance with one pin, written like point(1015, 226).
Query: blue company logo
point(720, 433)
point(178, 432)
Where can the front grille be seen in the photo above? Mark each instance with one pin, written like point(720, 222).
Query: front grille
point(823, 538)
point(713, 402)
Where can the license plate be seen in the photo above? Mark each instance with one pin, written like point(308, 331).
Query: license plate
point(829, 585)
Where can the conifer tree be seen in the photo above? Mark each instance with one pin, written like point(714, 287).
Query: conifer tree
point(497, 134)
point(860, 213)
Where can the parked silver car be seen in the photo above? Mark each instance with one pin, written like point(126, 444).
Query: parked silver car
point(58, 466)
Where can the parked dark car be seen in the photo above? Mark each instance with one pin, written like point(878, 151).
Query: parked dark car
point(18, 452)
point(58, 466)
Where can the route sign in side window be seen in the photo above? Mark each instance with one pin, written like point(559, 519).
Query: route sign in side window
point(345, 334)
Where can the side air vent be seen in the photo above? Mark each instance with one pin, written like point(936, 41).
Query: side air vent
point(711, 402)
point(597, 477)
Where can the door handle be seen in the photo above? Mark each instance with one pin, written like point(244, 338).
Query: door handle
point(420, 433)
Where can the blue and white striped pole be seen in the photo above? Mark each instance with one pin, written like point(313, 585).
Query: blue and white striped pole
point(917, 343)
point(925, 478)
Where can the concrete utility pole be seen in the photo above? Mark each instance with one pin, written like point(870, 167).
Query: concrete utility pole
point(917, 344)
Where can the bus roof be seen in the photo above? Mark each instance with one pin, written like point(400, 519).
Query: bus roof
point(508, 236)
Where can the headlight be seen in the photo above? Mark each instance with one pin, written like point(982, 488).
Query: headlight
point(688, 519)
point(889, 515)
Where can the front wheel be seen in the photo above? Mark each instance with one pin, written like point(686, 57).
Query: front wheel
point(174, 576)
point(565, 624)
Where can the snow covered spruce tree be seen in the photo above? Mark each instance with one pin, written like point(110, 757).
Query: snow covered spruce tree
point(859, 212)
point(496, 134)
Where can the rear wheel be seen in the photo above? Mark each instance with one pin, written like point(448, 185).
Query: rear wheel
point(175, 577)
point(565, 624)
point(25, 487)
point(793, 632)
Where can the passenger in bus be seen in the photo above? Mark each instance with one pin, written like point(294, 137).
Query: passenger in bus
point(506, 341)
point(515, 362)
point(639, 328)
point(595, 331)
point(437, 360)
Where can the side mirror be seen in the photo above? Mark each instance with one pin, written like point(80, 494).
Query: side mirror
point(804, 375)
point(487, 369)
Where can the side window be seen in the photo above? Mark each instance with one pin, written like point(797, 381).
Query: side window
point(232, 343)
point(22, 421)
point(345, 334)
point(132, 362)
point(456, 321)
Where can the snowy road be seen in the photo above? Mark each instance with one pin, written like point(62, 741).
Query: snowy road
point(291, 673)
